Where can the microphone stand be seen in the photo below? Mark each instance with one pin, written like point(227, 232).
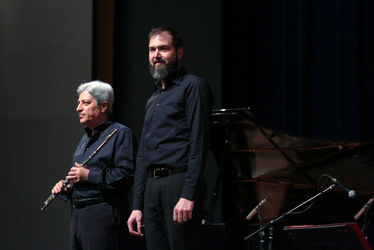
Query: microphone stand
point(272, 222)
point(365, 221)
point(262, 233)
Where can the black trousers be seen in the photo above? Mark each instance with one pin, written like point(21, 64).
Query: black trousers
point(161, 233)
point(98, 227)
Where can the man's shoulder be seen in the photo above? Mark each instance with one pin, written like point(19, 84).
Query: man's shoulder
point(194, 81)
point(192, 78)
point(119, 126)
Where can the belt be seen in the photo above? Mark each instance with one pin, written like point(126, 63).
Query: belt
point(79, 203)
point(163, 172)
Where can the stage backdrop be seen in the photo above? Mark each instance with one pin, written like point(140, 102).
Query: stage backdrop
point(304, 66)
point(45, 49)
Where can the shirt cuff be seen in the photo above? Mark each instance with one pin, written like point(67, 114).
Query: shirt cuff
point(137, 204)
point(188, 194)
point(94, 176)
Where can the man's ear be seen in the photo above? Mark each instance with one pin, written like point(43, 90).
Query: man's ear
point(180, 53)
point(104, 107)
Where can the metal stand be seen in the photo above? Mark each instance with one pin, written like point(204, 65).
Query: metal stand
point(365, 221)
point(270, 225)
point(262, 233)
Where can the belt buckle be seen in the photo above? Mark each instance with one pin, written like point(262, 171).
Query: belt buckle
point(77, 204)
point(160, 172)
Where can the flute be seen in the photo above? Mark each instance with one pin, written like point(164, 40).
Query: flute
point(84, 164)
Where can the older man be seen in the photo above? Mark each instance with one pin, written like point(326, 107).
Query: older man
point(99, 190)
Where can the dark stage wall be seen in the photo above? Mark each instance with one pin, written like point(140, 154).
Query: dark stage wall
point(306, 67)
point(46, 51)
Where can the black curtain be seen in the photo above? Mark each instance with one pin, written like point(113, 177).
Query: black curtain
point(305, 67)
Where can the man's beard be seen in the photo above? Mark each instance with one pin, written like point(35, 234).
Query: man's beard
point(166, 70)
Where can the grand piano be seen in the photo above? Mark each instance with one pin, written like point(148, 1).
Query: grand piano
point(257, 163)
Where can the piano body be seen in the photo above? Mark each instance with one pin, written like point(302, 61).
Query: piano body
point(257, 163)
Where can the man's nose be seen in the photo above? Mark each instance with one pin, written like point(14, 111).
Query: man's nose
point(157, 53)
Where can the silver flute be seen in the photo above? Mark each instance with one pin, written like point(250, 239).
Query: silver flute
point(84, 164)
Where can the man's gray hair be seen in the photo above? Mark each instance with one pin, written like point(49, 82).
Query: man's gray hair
point(100, 91)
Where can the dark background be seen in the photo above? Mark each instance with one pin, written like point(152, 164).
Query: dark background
point(304, 67)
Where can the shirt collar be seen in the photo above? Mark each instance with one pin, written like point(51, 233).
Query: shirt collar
point(99, 128)
point(175, 78)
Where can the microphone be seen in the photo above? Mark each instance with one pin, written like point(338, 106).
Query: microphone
point(363, 209)
point(351, 193)
point(255, 210)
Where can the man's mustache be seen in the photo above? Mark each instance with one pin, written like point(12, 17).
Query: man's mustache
point(158, 60)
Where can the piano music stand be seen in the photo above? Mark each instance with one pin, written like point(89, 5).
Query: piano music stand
point(342, 236)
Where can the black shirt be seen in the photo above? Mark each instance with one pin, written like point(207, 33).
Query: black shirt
point(175, 131)
point(112, 168)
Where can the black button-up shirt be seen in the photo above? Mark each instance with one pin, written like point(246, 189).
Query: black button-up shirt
point(112, 168)
point(175, 131)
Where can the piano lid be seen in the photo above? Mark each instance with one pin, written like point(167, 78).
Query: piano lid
point(258, 162)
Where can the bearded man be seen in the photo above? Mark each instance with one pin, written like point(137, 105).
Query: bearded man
point(168, 185)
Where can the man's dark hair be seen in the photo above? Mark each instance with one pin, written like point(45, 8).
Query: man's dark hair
point(177, 39)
